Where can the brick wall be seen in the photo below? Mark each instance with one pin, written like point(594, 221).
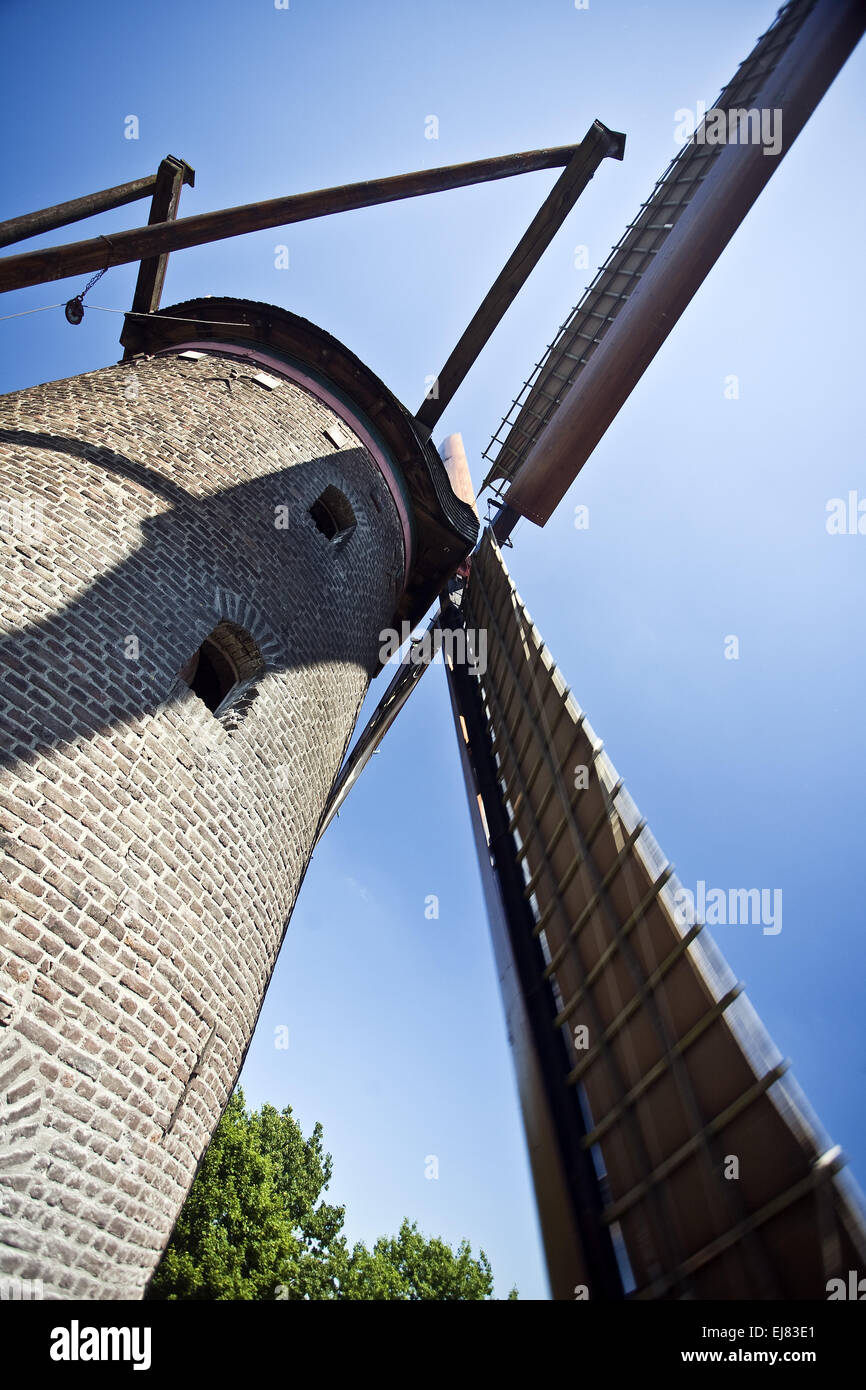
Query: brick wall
point(152, 851)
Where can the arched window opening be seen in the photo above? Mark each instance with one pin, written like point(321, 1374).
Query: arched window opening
point(333, 515)
point(223, 672)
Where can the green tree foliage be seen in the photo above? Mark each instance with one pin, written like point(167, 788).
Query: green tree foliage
point(255, 1226)
point(408, 1266)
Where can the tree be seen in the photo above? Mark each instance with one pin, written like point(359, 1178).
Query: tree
point(255, 1226)
point(409, 1267)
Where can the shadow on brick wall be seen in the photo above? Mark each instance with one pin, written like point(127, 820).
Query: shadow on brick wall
point(71, 673)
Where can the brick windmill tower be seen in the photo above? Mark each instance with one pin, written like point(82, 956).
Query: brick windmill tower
point(227, 523)
point(203, 547)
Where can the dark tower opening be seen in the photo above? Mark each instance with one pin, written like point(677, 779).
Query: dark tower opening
point(332, 513)
point(226, 659)
point(214, 675)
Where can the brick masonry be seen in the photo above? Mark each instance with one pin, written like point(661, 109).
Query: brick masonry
point(152, 851)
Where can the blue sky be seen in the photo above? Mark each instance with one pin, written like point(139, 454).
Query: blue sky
point(707, 515)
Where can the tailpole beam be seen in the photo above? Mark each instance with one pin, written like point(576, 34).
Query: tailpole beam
point(599, 143)
point(139, 243)
point(61, 214)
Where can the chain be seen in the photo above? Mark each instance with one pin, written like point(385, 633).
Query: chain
point(91, 282)
point(74, 309)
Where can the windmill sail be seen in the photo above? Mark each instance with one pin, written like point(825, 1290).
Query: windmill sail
point(672, 1154)
point(606, 344)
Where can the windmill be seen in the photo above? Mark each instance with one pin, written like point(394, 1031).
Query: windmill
point(644, 1075)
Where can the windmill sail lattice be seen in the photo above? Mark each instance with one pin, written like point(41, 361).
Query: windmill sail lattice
point(633, 1040)
point(619, 277)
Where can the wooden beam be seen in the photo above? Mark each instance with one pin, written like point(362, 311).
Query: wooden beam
point(79, 258)
point(48, 219)
point(170, 178)
point(598, 144)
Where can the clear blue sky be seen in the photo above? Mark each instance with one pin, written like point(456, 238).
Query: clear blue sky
point(707, 515)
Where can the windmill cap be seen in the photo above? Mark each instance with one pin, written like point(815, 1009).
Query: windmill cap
point(442, 526)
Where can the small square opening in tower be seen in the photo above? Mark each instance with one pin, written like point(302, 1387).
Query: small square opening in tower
point(332, 512)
